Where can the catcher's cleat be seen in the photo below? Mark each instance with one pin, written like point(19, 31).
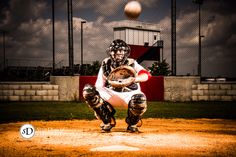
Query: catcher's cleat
point(113, 121)
point(139, 123)
point(109, 126)
point(106, 127)
point(132, 128)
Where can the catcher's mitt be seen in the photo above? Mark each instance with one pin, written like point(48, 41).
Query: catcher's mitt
point(122, 76)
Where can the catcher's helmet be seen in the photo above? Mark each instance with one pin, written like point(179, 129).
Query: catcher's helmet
point(118, 51)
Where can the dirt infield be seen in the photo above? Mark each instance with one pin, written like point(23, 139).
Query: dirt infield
point(158, 137)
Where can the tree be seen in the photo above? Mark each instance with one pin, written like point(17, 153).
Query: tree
point(160, 68)
point(92, 69)
point(96, 66)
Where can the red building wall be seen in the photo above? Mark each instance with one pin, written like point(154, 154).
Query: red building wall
point(154, 88)
point(148, 52)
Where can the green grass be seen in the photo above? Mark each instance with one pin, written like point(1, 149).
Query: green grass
point(225, 110)
point(25, 111)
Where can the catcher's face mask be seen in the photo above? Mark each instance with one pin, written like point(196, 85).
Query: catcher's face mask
point(118, 55)
point(119, 51)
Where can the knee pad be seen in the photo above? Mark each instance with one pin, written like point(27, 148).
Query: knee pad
point(138, 104)
point(91, 96)
point(103, 110)
point(137, 107)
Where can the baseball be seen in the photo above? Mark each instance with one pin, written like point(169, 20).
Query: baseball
point(132, 9)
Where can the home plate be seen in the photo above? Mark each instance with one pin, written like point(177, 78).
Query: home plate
point(115, 148)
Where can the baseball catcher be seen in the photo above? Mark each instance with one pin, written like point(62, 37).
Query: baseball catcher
point(118, 85)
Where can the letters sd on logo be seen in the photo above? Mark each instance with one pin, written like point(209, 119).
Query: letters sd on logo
point(27, 131)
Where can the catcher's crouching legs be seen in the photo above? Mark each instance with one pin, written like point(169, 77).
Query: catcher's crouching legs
point(137, 107)
point(103, 110)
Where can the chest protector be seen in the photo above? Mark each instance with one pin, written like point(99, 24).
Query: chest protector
point(107, 67)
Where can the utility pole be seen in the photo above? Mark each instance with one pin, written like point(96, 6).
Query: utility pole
point(70, 37)
point(173, 37)
point(82, 53)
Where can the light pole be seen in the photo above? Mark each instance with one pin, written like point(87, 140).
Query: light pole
point(200, 56)
point(81, 66)
point(199, 2)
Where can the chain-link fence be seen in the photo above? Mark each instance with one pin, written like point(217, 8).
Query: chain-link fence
point(27, 36)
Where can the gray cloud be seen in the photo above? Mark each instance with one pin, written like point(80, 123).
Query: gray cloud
point(218, 46)
point(220, 6)
point(31, 33)
point(22, 11)
point(149, 3)
point(102, 7)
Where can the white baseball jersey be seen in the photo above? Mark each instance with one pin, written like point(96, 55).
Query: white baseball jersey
point(106, 91)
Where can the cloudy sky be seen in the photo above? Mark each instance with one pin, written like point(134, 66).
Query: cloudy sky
point(29, 31)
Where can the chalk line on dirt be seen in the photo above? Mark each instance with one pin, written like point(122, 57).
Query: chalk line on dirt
point(114, 148)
